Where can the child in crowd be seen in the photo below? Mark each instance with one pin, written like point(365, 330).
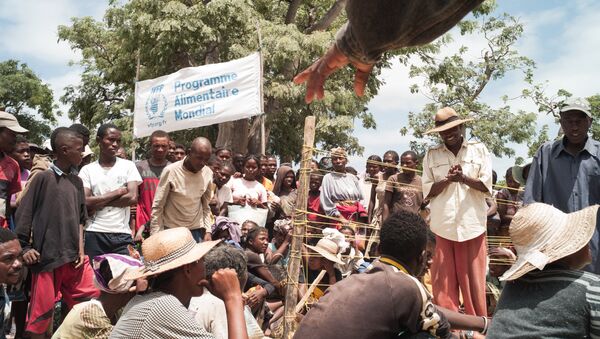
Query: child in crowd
point(352, 257)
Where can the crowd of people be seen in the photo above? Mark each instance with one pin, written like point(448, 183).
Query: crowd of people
point(193, 242)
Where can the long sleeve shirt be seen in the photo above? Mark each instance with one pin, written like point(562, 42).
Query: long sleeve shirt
point(182, 199)
point(49, 218)
point(376, 26)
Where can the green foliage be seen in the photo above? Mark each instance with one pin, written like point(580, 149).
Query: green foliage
point(168, 35)
point(458, 82)
point(23, 94)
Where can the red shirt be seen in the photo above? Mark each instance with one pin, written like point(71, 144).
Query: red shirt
point(150, 178)
point(10, 183)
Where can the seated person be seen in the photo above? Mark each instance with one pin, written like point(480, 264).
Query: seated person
point(175, 269)
point(228, 230)
point(546, 294)
point(352, 257)
point(210, 311)
point(386, 301)
point(95, 318)
point(324, 256)
point(278, 250)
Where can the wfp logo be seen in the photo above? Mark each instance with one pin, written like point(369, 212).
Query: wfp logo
point(156, 105)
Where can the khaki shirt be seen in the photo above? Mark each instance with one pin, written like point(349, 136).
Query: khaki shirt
point(182, 199)
point(459, 212)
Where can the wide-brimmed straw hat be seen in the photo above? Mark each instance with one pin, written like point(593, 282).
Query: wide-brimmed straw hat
point(328, 249)
point(445, 119)
point(542, 234)
point(169, 249)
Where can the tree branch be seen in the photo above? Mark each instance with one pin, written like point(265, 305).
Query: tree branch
point(290, 16)
point(328, 18)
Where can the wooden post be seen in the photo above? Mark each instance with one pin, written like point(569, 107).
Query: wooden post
point(299, 222)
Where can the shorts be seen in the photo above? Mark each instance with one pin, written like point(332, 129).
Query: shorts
point(75, 284)
point(98, 243)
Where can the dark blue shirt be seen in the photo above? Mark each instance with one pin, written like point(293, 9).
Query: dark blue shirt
point(568, 182)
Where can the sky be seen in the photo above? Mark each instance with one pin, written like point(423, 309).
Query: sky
point(561, 36)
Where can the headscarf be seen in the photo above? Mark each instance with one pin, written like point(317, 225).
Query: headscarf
point(224, 223)
point(281, 174)
point(118, 265)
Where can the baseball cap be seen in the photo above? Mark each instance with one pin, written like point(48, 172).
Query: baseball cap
point(576, 104)
point(9, 121)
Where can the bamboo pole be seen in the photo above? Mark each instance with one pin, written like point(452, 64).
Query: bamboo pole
point(299, 222)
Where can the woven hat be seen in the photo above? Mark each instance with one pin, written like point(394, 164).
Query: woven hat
point(169, 249)
point(9, 121)
point(118, 265)
point(328, 249)
point(445, 119)
point(339, 152)
point(542, 234)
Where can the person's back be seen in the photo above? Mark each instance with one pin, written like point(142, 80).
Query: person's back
point(552, 303)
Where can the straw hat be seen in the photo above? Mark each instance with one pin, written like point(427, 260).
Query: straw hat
point(328, 249)
point(445, 119)
point(543, 234)
point(169, 249)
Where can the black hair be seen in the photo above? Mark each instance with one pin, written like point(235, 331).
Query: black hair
point(412, 154)
point(508, 172)
point(213, 160)
point(431, 237)
point(254, 232)
point(403, 236)
point(21, 139)
point(494, 177)
point(179, 146)
point(79, 128)
point(6, 235)
point(271, 156)
point(394, 155)
point(374, 157)
point(252, 157)
point(351, 169)
point(59, 132)
point(227, 164)
point(159, 134)
point(104, 128)
point(221, 149)
point(347, 228)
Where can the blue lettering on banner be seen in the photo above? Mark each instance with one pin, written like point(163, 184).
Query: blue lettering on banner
point(156, 105)
point(198, 83)
point(202, 111)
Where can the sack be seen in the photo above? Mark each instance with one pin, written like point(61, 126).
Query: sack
point(240, 214)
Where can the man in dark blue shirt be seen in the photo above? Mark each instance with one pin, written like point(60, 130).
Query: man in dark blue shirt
point(566, 173)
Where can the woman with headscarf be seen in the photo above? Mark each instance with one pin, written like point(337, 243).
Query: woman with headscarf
point(285, 189)
point(340, 191)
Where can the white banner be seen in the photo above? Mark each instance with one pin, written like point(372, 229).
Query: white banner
point(198, 96)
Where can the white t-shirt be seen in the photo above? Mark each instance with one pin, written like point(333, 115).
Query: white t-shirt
point(224, 195)
point(103, 180)
point(242, 188)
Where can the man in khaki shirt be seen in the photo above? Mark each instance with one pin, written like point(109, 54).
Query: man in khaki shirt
point(457, 177)
point(183, 195)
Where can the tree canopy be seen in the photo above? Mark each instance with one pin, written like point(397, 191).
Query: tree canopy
point(459, 82)
point(23, 94)
point(166, 35)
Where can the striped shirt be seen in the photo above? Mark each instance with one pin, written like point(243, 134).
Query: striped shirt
point(549, 304)
point(157, 315)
